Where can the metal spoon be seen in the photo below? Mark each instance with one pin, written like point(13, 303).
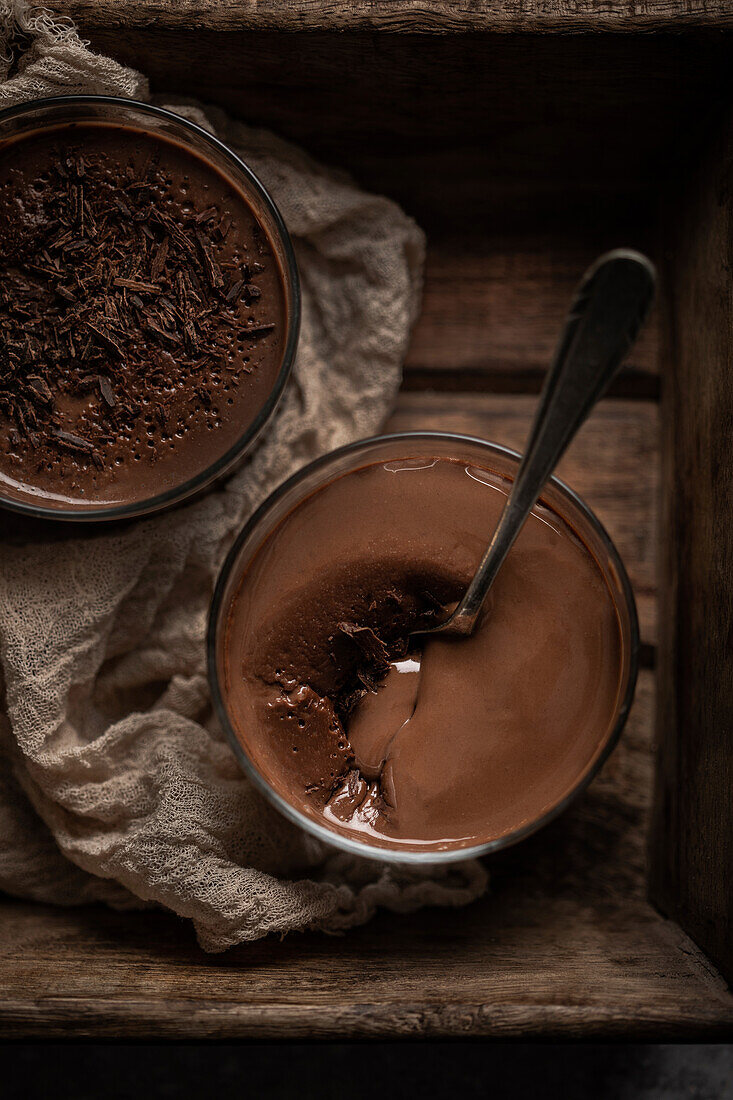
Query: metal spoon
point(610, 306)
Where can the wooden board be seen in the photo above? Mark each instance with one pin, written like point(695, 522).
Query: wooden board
point(411, 16)
point(476, 132)
point(522, 156)
point(493, 306)
point(693, 834)
point(564, 945)
point(613, 464)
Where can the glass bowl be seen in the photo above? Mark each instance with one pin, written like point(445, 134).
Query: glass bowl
point(556, 496)
point(47, 114)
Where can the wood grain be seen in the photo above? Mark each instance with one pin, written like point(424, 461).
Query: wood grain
point(693, 834)
point(476, 132)
point(522, 156)
point(564, 945)
point(613, 465)
point(493, 307)
point(407, 16)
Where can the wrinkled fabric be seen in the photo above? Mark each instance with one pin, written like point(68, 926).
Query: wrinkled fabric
point(115, 784)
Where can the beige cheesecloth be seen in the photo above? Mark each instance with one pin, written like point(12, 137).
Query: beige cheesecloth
point(115, 784)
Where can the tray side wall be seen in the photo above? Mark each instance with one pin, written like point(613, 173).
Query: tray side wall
point(411, 16)
point(692, 836)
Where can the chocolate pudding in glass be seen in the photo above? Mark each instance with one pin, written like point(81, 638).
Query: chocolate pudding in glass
point(463, 744)
point(148, 308)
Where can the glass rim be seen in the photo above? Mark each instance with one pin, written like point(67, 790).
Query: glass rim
point(189, 488)
point(362, 848)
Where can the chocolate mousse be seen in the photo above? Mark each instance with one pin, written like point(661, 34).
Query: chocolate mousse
point(142, 315)
point(456, 743)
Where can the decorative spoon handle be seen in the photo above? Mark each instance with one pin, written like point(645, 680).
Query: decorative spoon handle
point(610, 306)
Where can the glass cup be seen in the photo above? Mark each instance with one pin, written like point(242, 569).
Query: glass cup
point(555, 496)
point(45, 114)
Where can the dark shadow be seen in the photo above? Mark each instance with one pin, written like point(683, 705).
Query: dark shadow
point(377, 1071)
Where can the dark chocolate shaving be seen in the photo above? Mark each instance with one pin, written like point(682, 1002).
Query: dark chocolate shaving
point(375, 651)
point(115, 291)
point(73, 442)
point(370, 682)
point(38, 387)
point(213, 271)
point(107, 392)
point(256, 330)
point(137, 285)
point(235, 290)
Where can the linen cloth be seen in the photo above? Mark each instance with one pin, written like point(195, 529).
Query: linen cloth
point(115, 783)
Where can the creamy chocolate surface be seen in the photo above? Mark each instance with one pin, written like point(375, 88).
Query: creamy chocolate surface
point(142, 315)
point(464, 742)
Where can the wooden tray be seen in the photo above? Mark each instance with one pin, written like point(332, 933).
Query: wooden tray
point(522, 155)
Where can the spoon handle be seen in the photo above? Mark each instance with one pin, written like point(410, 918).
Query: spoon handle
point(610, 306)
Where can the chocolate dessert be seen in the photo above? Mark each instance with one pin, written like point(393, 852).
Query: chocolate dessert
point(142, 315)
point(461, 742)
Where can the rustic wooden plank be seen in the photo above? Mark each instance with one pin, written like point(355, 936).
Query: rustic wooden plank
point(475, 131)
point(613, 465)
point(493, 307)
point(564, 945)
point(693, 835)
point(484, 138)
point(408, 16)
